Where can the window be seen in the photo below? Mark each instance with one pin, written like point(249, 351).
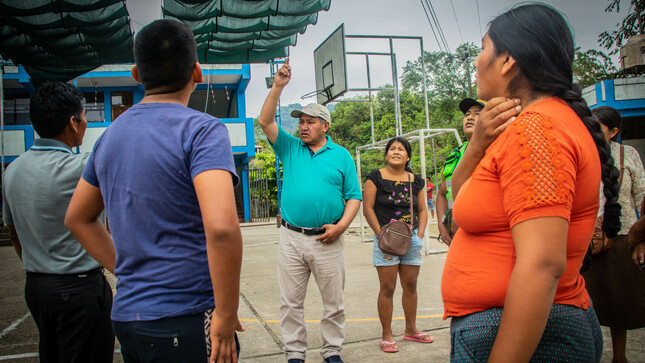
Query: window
point(95, 106)
point(16, 109)
point(121, 101)
point(219, 106)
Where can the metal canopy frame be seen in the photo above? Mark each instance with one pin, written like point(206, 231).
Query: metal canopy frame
point(414, 136)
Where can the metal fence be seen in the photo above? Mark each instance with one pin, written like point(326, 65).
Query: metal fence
point(259, 192)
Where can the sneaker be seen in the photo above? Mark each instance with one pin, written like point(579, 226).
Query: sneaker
point(334, 359)
point(294, 360)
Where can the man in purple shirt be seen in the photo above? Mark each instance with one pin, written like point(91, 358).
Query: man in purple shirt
point(165, 174)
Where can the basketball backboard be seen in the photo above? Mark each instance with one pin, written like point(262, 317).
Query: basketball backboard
point(330, 67)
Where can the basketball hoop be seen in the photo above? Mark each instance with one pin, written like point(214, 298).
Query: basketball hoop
point(326, 92)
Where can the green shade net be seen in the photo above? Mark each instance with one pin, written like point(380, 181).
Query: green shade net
point(244, 31)
point(62, 39)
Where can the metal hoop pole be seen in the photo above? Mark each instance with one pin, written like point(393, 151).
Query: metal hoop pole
point(369, 85)
point(425, 86)
point(396, 93)
point(422, 153)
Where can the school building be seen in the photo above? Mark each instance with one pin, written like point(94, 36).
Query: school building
point(110, 90)
point(627, 95)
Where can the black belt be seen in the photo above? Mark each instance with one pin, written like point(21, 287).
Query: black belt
point(306, 231)
point(98, 270)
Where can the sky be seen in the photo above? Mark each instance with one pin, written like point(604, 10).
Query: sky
point(459, 19)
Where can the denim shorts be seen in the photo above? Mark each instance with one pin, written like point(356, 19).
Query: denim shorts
point(413, 257)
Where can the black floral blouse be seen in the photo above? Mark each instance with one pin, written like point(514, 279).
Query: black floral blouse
point(393, 198)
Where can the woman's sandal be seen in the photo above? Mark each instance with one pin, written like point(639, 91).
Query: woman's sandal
point(389, 347)
point(421, 338)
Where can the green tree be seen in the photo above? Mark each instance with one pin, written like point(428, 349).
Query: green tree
point(447, 80)
point(265, 159)
point(592, 66)
point(632, 24)
point(447, 73)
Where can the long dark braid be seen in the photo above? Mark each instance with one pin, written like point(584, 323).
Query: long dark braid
point(611, 222)
point(540, 41)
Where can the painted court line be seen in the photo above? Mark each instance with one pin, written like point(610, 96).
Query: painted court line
point(18, 356)
point(13, 325)
point(360, 319)
point(32, 355)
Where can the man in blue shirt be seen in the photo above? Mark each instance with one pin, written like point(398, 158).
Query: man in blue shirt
point(320, 198)
point(66, 292)
point(166, 174)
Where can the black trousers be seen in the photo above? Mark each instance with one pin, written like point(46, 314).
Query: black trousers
point(72, 313)
point(183, 338)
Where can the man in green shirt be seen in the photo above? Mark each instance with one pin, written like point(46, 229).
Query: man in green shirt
point(471, 109)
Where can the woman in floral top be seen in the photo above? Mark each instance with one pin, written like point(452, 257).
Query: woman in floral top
point(615, 284)
point(386, 198)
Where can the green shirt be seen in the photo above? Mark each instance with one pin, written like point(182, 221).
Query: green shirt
point(452, 160)
point(315, 185)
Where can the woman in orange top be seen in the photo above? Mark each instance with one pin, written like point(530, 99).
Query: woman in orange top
point(511, 280)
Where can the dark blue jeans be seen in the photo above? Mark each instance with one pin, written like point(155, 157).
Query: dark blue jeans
point(177, 339)
point(72, 313)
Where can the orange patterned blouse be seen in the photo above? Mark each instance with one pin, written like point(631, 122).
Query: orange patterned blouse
point(545, 164)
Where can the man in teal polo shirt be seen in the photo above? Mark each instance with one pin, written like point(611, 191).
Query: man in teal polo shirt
point(320, 198)
point(471, 109)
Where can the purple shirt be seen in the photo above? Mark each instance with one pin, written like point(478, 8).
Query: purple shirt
point(144, 164)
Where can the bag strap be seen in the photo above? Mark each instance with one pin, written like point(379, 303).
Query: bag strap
point(622, 165)
point(411, 202)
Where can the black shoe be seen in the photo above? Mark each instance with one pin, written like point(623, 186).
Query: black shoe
point(294, 360)
point(334, 359)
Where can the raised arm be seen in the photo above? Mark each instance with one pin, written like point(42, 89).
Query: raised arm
point(493, 120)
point(214, 189)
point(82, 220)
point(267, 114)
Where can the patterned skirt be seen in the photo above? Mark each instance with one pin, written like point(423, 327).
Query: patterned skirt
point(572, 334)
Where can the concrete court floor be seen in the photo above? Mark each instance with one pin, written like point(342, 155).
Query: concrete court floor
point(259, 308)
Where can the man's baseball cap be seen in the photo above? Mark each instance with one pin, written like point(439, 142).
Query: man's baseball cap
point(315, 110)
point(467, 103)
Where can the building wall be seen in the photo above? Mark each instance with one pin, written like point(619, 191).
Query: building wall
point(628, 97)
point(110, 90)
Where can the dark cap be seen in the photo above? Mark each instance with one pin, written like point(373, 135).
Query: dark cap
point(467, 103)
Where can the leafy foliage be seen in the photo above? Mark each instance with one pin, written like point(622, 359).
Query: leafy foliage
point(632, 24)
point(592, 66)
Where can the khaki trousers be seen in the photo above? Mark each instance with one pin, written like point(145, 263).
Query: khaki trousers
point(299, 256)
